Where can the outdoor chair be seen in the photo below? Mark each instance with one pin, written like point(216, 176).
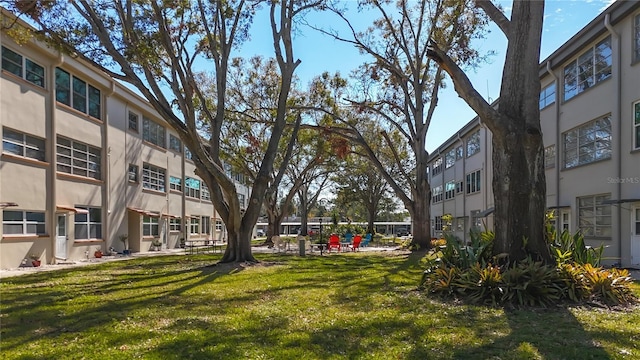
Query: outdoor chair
point(278, 244)
point(355, 245)
point(348, 237)
point(334, 243)
point(366, 240)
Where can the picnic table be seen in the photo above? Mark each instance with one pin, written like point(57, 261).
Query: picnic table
point(320, 247)
point(196, 246)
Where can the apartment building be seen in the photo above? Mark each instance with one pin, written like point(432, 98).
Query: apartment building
point(86, 161)
point(590, 117)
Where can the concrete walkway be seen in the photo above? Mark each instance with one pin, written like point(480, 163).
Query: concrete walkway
point(293, 250)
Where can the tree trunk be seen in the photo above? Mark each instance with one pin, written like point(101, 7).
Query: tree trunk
point(520, 201)
point(238, 247)
point(518, 153)
point(371, 218)
point(421, 224)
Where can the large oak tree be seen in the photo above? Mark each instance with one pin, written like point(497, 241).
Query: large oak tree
point(399, 87)
point(155, 46)
point(518, 153)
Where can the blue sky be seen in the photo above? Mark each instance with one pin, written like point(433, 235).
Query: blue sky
point(318, 53)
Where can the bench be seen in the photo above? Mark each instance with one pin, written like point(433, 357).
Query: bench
point(196, 246)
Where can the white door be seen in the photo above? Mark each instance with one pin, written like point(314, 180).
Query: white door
point(164, 234)
point(635, 235)
point(565, 221)
point(61, 236)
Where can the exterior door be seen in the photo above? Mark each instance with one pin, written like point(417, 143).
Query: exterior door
point(164, 234)
point(635, 235)
point(61, 236)
point(565, 221)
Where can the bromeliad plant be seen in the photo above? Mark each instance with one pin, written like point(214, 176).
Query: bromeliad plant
point(567, 248)
point(478, 250)
point(469, 272)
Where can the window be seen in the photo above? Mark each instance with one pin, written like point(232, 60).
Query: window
point(23, 223)
point(437, 166)
point(548, 96)
point(194, 225)
point(473, 144)
point(476, 219)
point(205, 192)
point(594, 218)
point(218, 225)
point(192, 187)
point(550, 156)
point(133, 173)
point(637, 38)
point(450, 158)
point(175, 183)
point(590, 68)
point(175, 144)
point(175, 224)
point(22, 67)
point(460, 187)
point(88, 226)
point(588, 143)
point(17, 143)
point(206, 225)
point(459, 152)
point(75, 92)
point(150, 226)
point(153, 133)
point(77, 158)
point(187, 154)
point(460, 223)
point(437, 224)
point(436, 194)
point(153, 177)
point(133, 121)
point(449, 190)
point(241, 201)
point(473, 182)
point(636, 124)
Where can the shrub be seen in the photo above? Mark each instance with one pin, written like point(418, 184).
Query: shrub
point(441, 280)
point(530, 283)
point(470, 272)
point(481, 284)
point(576, 287)
point(611, 286)
point(438, 242)
point(477, 251)
point(572, 248)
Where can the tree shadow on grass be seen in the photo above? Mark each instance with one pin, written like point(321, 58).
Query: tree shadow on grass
point(532, 334)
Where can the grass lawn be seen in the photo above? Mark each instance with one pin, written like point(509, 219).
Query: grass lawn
point(353, 306)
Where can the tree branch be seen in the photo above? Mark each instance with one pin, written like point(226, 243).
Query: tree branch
point(464, 87)
point(496, 15)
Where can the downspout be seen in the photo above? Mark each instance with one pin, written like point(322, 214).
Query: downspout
point(443, 184)
point(558, 138)
point(464, 198)
point(183, 200)
point(618, 108)
point(107, 187)
point(485, 176)
point(53, 163)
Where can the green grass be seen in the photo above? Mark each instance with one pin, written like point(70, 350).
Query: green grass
point(353, 306)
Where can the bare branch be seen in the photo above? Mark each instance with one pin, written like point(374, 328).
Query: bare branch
point(496, 15)
point(464, 87)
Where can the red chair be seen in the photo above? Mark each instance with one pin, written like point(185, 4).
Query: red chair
point(355, 245)
point(334, 242)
